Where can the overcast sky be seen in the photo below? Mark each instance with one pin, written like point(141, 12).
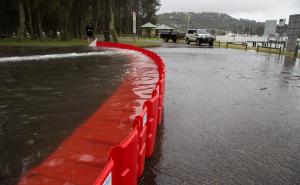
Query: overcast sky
point(259, 10)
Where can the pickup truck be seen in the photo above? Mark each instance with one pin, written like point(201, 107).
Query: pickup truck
point(199, 36)
point(166, 36)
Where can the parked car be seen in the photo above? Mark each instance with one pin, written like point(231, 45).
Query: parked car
point(166, 36)
point(199, 36)
point(174, 36)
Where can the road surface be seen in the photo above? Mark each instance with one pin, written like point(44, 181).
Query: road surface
point(230, 117)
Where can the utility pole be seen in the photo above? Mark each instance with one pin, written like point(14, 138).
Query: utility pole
point(249, 33)
point(189, 17)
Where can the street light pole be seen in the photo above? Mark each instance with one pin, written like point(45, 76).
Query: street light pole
point(189, 17)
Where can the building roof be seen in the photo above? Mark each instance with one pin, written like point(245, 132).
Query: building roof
point(163, 27)
point(148, 25)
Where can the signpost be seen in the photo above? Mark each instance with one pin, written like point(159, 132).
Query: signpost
point(134, 24)
point(281, 28)
point(270, 27)
point(281, 22)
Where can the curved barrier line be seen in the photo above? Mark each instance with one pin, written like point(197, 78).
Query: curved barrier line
point(86, 148)
point(128, 158)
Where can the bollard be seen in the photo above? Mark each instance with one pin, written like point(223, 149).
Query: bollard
point(296, 51)
point(246, 46)
point(227, 44)
point(219, 43)
point(107, 36)
point(280, 51)
point(257, 48)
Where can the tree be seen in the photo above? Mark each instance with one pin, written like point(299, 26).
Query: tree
point(69, 17)
point(112, 29)
point(21, 28)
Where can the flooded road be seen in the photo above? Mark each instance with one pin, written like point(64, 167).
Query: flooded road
point(43, 101)
point(230, 117)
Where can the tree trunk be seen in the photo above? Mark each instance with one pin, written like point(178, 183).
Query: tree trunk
point(65, 23)
point(39, 21)
point(112, 29)
point(21, 28)
point(97, 14)
point(30, 20)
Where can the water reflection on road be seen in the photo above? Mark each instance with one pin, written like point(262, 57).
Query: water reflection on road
point(43, 101)
point(231, 117)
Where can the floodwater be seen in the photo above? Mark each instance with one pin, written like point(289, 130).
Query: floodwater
point(230, 117)
point(43, 99)
point(242, 38)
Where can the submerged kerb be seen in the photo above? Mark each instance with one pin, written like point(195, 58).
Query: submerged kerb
point(106, 147)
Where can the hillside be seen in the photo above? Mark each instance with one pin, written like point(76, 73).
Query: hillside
point(215, 21)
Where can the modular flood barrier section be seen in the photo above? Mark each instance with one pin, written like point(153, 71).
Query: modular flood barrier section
point(124, 162)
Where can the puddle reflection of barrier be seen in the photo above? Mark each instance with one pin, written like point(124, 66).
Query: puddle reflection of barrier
point(126, 161)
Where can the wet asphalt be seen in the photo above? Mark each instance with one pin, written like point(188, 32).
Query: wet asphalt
point(230, 117)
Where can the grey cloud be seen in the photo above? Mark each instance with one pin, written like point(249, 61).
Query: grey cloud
point(258, 9)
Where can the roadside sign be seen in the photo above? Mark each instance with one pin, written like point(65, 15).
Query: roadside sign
point(282, 22)
point(270, 27)
point(134, 22)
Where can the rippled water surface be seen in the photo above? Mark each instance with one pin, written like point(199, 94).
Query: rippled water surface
point(230, 117)
point(43, 100)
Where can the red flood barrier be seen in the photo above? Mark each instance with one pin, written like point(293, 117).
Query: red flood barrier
point(153, 105)
point(81, 159)
point(145, 125)
point(141, 123)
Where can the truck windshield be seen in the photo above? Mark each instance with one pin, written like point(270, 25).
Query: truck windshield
point(202, 32)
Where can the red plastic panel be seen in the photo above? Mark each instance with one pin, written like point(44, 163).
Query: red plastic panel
point(153, 121)
point(161, 99)
point(141, 122)
point(105, 177)
point(125, 157)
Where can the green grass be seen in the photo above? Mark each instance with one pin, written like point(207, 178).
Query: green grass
point(262, 50)
point(144, 43)
point(74, 42)
point(45, 43)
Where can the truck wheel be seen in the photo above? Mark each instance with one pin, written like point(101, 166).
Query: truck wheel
point(187, 40)
point(166, 40)
point(211, 43)
point(198, 42)
point(174, 40)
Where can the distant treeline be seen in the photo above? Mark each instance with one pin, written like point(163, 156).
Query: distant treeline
point(46, 18)
point(219, 22)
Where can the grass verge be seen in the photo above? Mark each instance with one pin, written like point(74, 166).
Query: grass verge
point(73, 42)
point(45, 43)
point(141, 42)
